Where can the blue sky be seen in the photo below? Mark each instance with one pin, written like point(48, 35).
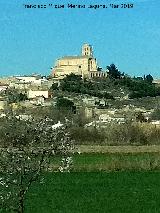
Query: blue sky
point(32, 39)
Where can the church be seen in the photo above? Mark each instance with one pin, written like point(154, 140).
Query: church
point(84, 65)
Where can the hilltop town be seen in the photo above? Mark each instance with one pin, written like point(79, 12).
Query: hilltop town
point(77, 88)
point(80, 120)
point(80, 106)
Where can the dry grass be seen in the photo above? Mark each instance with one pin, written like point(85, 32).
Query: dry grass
point(116, 161)
point(118, 134)
point(117, 149)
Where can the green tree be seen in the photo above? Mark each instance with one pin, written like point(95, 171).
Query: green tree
point(76, 84)
point(54, 86)
point(14, 96)
point(107, 95)
point(64, 103)
point(73, 77)
point(113, 71)
point(148, 79)
point(155, 114)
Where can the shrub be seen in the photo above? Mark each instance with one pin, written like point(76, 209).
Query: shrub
point(87, 136)
point(156, 114)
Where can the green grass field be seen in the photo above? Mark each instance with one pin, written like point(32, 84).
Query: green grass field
point(100, 182)
point(99, 192)
point(116, 161)
point(129, 185)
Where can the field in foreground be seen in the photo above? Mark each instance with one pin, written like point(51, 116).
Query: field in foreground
point(96, 192)
point(118, 149)
point(94, 162)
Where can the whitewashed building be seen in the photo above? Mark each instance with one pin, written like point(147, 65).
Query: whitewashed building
point(38, 93)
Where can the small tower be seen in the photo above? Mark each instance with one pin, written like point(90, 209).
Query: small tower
point(87, 50)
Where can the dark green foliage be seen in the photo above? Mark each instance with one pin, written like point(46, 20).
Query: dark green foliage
point(99, 68)
point(140, 117)
point(92, 192)
point(157, 91)
point(138, 87)
point(73, 77)
point(113, 72)
point(72, 83)
point(54, 86)
point(156, 114)
point(141, 89)
point(22, 97)
point(64, 103)
point(14, 96)
point(148, 79)
point(76, 84)
point(84, 136)
point(107, 95)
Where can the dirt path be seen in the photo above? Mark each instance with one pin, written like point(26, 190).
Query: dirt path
point(117, 149)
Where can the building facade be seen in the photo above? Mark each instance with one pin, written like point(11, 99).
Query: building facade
point(38, 93)
point(84, 65)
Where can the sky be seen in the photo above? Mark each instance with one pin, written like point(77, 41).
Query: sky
point(32, 39)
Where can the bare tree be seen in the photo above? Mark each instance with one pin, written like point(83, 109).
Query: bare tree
point(26, 149)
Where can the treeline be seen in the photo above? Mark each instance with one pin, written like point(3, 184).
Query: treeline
point(137, 87)
point(75, 84)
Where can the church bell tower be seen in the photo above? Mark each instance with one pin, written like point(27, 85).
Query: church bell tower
point(87, 50)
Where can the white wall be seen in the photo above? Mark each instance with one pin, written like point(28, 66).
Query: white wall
point(33, 94)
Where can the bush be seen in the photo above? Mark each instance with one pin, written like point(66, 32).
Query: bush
point(124, 134)
point(87, 136)
point(118, 134)
point(156, 114)
point(64, 103)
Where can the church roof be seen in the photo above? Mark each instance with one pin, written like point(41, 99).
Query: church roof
point(76, 57)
